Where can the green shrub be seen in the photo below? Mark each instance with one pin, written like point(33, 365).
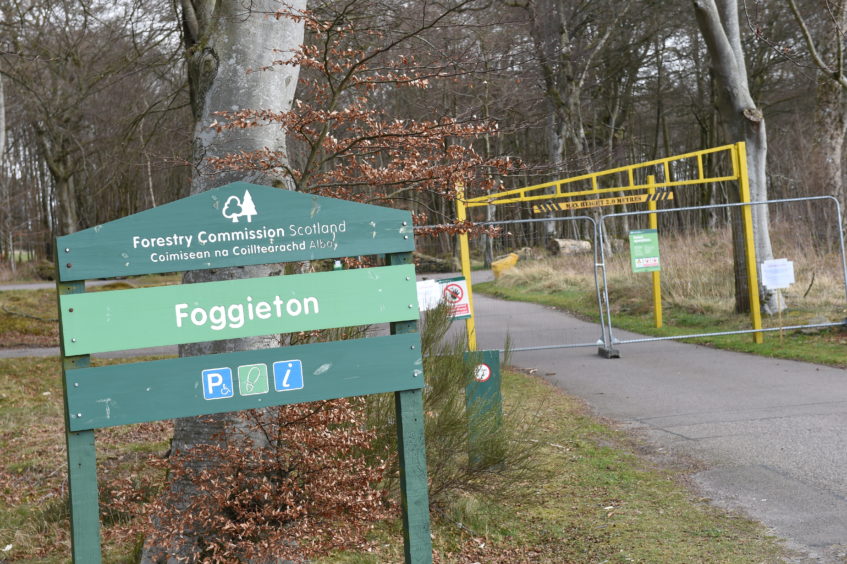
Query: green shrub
point(500, 457)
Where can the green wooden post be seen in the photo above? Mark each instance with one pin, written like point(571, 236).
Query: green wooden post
point(412, 455)
point(483, 400)
point(82, 464)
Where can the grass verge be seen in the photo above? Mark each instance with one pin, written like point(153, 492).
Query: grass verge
point(591, 499)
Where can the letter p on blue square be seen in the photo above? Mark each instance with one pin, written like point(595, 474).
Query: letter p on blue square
point(288, 375)
point(217, 383)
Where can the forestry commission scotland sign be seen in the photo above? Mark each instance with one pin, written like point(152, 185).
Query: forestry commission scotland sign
point(237, 225)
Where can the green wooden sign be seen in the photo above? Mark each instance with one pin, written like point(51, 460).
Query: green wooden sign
point(108, 396)
point(191, 313)
point(236, 224)
point(483, 401)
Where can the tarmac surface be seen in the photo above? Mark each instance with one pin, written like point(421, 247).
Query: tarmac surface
point(758, 435)
point(763, 436)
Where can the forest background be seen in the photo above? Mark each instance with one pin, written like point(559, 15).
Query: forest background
point(398, 103)
point(97, 120)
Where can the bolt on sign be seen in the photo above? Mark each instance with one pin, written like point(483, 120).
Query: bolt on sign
point(235, 225)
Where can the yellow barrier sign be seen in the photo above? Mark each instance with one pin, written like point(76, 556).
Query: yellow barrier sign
point(551, 206)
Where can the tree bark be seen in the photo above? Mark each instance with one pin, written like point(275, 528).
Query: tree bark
point(827, 53)
point(828, 154)
point(226, 45)
point(743, 121)
point(6, 238)
point(565, 51)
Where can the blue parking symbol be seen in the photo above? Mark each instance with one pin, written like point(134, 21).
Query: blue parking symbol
point(288, 375)
point(217, 383)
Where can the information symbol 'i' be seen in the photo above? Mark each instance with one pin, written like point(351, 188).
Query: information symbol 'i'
point(288, 375)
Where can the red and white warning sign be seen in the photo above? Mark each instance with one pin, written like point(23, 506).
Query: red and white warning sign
point(482, 372)
point(455, 293)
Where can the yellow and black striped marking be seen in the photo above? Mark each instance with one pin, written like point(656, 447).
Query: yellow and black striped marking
point(551, 206)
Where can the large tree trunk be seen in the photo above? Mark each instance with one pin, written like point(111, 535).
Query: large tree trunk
point(828, 153)
point(718, 22)
point(831, 119)
point(224, 41)
point(827, 53)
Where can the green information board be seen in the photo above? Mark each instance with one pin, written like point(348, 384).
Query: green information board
point(644, 250)
point(236, 225)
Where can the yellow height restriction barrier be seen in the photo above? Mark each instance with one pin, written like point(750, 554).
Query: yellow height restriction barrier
point(604, 189)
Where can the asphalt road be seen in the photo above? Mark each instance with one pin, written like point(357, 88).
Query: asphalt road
point(759, 435)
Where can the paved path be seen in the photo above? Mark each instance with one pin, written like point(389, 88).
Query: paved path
point(765, 436)
point(768, 435)
point(52, 285)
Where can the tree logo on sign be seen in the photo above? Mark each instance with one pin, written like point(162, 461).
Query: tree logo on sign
point(236, 207)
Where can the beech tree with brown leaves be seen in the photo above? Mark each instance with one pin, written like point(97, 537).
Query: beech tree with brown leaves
point(222, 40)
point(346, 138)
point(332, 140)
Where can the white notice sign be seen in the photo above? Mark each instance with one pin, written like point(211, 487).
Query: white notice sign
point(452, 291)
point(429, 294)
point(777, 274)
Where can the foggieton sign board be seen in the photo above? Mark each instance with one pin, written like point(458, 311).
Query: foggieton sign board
point(236, 224)
point(191, 313)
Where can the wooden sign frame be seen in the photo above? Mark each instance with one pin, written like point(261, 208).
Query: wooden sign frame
point(200, 232)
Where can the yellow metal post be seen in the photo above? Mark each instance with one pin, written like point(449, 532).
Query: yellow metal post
point(465, 256)
point(657, 276)
point(749, 242)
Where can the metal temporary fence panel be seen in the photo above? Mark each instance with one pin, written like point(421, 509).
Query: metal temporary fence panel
point(554, 344)
point(608, 331)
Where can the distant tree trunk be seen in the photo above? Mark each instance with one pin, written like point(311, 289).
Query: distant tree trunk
point(565, 47)
point(2, 121)
point(57, 156)
point(6, 240)
point(225, 40)
point(718, 22)
point(827, 53)
point(828, 155)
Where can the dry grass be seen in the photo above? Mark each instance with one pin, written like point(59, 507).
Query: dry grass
point(697, 277)
point(591, 500)
point(33, 476)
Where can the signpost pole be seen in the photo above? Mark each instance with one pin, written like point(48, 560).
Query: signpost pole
point(657, 275)
point(483, 401)
point(465, 254)
point(411, 448)
point(82, 465)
